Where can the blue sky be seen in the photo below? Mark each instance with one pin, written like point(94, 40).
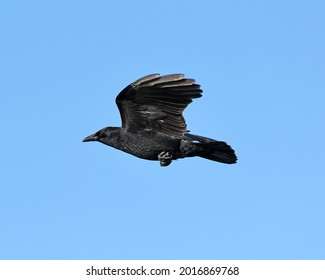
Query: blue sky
point(261, 65)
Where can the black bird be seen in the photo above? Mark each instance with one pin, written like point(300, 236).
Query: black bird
point(153, 126)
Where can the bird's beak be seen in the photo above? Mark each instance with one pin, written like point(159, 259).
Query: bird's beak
point(92, 137)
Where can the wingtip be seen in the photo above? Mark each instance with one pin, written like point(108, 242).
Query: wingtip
point(158, 79)
point(173, 77)
point(145, 79)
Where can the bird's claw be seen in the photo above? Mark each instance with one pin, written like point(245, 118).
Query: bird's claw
point(165, 158)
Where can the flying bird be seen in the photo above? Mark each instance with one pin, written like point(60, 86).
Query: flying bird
point(153, 126)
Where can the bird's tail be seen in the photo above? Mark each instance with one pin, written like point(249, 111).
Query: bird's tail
point(214, 150)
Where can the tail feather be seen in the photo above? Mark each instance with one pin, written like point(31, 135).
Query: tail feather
point(218, 151)
point(214, 150)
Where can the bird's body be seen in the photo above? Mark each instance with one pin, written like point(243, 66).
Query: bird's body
point(145, 145)
point(153, 126)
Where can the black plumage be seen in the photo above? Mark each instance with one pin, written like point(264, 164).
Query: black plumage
point(153, 126)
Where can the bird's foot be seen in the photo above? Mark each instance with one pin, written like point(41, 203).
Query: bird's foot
point(165, 158)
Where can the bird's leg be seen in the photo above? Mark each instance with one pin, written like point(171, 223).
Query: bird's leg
point(165, 158)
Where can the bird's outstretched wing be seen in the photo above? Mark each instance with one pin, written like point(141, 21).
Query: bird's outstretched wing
point(157, 102)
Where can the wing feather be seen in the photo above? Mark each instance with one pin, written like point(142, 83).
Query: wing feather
point(157, 102)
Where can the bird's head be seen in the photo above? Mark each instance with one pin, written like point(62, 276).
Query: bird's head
point(104, 135)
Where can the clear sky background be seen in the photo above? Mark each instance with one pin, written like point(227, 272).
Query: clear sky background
point(261, 65)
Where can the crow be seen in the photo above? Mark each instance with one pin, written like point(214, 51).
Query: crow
point(153, 126)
